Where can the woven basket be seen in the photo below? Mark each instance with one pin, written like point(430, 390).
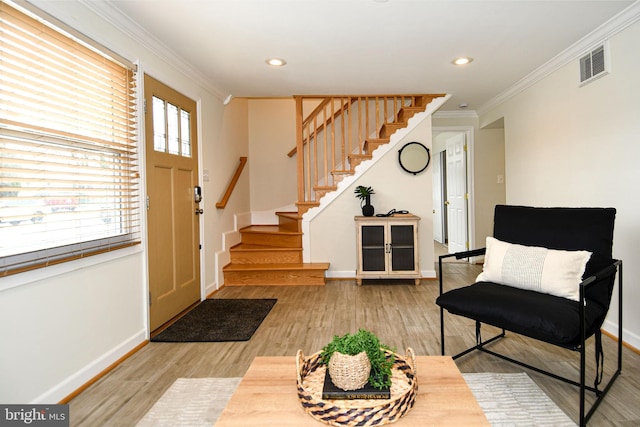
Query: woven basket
point(349, 372)
point(357, 412)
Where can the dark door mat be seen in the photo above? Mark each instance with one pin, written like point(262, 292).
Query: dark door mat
point(217, 320)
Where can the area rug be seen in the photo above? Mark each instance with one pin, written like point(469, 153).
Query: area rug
point(515, 400)
point(506, 399)
point(191, 402)
point(216, 320)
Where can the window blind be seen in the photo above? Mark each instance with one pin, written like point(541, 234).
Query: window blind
point(69, 177)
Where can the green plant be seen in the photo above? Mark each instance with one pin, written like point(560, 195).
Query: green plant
point(362, 192)
point(363, 340)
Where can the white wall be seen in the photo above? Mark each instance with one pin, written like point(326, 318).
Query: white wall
point(228, 142)
point(489, 165)
point(59, 332)
point(332, 232)
point(272, 134)
point(62, 325)
point(579, 146)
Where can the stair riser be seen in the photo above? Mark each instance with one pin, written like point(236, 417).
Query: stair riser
point(389, 129)
point(266, 257)
point(291, 224)
point(405, 114)
point(370, 146)
point(321, 193)
point(354, 161)
point(274, 278)
point(274, 240)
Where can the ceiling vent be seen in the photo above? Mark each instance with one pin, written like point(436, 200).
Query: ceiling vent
point(594, 64)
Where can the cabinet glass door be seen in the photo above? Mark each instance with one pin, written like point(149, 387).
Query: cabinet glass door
point(402, 250)
point(373, 248)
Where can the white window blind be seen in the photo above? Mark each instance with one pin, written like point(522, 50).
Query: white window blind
point(69, 179)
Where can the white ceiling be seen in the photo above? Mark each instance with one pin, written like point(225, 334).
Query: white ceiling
point(366, 46)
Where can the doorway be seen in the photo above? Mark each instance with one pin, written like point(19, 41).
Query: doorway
point(452, 189)
point(173, 197)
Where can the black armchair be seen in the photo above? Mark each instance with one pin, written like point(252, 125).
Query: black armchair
point(564, 321)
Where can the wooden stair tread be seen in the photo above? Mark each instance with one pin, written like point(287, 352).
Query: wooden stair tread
point(269, 229)
point(378, 140)
point(395, 125)
point(290, 215)
point(342, 172)
point(256, 247)
point(275, 267)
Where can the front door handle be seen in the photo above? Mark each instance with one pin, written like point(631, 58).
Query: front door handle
point(199, 211)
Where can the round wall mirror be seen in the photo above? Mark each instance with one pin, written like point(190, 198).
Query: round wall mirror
point(414, 157)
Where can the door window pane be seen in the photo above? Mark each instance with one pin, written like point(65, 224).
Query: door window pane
point(159, 125)
point(185, 130)
point(173, 129)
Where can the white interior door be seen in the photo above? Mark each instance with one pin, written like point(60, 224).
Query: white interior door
point(456, 203)
point(438, 222)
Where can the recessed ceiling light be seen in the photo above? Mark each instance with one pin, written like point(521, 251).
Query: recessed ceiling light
point(463, 60)
point(276, 62)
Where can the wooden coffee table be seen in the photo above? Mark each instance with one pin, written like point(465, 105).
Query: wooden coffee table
point(267, 396)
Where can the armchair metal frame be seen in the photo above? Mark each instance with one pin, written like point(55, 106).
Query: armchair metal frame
point(615, 268)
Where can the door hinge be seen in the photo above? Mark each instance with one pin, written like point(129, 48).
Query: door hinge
point(150, 300)
point(466, 196)
point(200, 247)
point(147, 202)
point(465, 148)
point(145, 106)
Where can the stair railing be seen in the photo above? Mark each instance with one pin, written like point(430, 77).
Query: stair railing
point(332, 138)
point(232, 184)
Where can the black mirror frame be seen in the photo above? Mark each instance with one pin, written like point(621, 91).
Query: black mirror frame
point(415, 172)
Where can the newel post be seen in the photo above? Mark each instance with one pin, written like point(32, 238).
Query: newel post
point(299, 149)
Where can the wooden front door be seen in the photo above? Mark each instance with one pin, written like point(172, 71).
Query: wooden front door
point(172, 206)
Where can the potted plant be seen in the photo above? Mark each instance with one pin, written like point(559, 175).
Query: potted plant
point(364, 194)
point(354, 346)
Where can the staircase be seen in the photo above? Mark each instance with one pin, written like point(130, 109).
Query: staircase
point(373, 118)
point(272, 254)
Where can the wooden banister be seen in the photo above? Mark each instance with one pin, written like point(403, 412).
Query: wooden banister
point(223, 202)
point(330, 141)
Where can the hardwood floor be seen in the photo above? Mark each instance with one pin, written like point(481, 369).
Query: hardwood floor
point(401, 314)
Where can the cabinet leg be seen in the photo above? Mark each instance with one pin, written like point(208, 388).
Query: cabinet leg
point(417, 282)
point(359, 282)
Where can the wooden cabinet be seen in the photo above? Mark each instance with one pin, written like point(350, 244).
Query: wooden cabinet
point(387, 247)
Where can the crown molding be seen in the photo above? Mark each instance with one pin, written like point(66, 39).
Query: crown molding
point(613, 26)
point(115, 17)
point(454, 114)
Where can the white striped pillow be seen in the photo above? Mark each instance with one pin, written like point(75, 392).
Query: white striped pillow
point(549, 271)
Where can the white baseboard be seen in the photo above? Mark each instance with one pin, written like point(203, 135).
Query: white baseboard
point(89, 372)
point(627, 337)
